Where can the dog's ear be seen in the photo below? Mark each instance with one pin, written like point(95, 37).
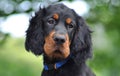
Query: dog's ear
point(35, 34)
point(81, 46)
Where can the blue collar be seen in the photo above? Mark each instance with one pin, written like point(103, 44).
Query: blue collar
point(56, 65)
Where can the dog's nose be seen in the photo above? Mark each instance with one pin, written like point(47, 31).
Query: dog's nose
point(59, 39)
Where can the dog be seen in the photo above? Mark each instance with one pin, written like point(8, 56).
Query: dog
point(63, 38)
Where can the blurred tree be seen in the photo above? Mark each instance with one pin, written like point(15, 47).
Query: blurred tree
point(8, 7)
point(107, 14)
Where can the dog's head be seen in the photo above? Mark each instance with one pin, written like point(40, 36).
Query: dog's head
point(57, 31)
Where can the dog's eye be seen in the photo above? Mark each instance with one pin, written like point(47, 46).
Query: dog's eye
point(51, 21)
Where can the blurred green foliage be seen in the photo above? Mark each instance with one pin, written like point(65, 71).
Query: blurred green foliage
point(103, 17)
point(15, 61)
point(105, 14)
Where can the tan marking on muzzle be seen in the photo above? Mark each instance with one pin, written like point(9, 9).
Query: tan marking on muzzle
point(49, 44)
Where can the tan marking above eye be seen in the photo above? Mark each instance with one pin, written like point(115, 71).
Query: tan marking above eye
point(56, 16)
point(68, 20)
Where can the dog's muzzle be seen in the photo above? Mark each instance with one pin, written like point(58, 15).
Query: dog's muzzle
point(57, 45)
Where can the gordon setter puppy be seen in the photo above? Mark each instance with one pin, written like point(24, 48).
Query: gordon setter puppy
point(63, 38)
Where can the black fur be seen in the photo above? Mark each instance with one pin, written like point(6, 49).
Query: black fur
point(80, 47)
point(35, 34)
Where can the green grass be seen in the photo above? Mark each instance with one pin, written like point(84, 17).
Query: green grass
point(15, 61)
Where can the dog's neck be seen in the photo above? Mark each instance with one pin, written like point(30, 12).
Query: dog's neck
point(54, 64)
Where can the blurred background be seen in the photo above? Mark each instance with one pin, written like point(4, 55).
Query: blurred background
point(103, 17)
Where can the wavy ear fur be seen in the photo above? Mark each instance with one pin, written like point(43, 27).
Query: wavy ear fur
point(35, 34)
point(81, 46)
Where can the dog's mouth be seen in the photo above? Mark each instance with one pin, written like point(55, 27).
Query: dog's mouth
point(58, 54)
point(58, 51)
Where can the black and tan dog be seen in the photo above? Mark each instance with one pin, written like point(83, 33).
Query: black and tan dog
point(63, 38)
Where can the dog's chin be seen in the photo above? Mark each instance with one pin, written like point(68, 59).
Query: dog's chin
point(58, 55)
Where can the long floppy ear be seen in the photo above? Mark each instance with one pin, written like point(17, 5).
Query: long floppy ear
point(35, 34)
point(81, 46)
